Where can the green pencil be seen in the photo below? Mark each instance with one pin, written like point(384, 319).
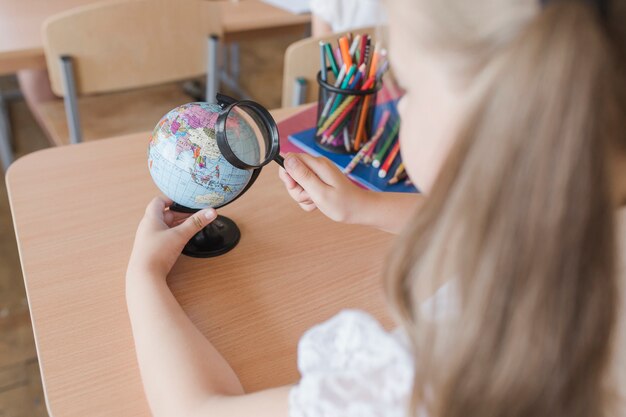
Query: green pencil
point(386, 145)
point(331, 59)
point(344, 85)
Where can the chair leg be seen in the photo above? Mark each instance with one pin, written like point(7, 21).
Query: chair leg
point(70, 99)
point(213, 73)
point(299, 91)
point(235, 68)
point(6, 151)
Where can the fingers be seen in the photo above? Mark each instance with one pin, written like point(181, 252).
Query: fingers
point(323, 168)
point(194, 223)
point(301, 196)
point(308, 207)
point(295, 191)
point(155, 208)
point(306, 178)
point(157, 205)
point(173, 218)
point(286, 178)
point(168, 218)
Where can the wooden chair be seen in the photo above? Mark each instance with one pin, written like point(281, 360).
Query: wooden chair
point(119, 47)
point(302, 63)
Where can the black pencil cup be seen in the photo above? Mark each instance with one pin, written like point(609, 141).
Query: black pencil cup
point(343, 115)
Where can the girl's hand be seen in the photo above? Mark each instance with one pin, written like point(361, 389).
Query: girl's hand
point(161, 236)
point(316, 183)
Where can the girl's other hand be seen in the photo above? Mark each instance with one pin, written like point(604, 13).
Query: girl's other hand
point(316, 183)
point(162, 235)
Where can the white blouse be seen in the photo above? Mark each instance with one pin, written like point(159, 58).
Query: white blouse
point(344, 15)
point(351, 367)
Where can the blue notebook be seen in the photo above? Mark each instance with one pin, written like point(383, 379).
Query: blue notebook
point(364, 175)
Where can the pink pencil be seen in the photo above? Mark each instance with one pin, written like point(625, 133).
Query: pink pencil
point(379, 133)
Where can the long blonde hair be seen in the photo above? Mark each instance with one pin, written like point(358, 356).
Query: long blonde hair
point(521, 216)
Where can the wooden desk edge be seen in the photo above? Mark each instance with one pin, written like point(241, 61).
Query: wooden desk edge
point(12, 62)
point(279, 114)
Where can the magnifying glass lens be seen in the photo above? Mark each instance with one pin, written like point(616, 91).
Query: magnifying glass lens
point(247, 136)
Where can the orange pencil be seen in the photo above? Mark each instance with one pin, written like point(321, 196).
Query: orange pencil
point(366, 103)
point(344, 46)
point(375, 58)
point(389, 161)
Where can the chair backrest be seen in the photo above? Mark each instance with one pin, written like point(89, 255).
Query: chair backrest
point(122, 44)
point(302, 62)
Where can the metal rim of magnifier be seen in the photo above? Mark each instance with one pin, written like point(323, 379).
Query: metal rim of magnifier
point(265, 117)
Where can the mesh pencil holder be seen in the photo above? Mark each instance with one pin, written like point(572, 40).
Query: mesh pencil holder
point(344, 117)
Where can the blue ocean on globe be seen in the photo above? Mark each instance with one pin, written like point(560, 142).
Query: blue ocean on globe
point(185, 161)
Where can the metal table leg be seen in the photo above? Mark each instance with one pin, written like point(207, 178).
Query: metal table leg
point(235, 67)
point(6, 152)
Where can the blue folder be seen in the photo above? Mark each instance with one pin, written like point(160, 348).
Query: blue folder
point(364, 175)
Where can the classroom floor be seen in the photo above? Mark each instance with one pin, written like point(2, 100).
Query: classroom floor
point(20, 385)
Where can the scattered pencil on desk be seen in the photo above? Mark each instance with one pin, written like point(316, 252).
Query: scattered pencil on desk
point(399, 175)
point(378, 159)
point(382, 173)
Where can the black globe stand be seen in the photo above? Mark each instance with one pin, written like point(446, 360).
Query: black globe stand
point(215, 239)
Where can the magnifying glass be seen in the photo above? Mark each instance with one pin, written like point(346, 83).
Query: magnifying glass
point(246, 134)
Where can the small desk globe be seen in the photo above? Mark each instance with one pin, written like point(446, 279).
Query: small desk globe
point(187, 166)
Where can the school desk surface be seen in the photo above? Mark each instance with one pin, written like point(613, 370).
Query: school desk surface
point(75, 212)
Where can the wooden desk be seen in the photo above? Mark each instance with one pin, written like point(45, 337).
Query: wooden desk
point(20, 31)
point(21, 45)
point(75, 211)
point(248, 19)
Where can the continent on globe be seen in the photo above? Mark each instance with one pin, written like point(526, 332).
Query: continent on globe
point(185, 161)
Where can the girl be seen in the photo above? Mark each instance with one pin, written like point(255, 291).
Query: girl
point(330, 16)
point(513, 126)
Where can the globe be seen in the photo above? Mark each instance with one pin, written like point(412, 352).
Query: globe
point(185, 161)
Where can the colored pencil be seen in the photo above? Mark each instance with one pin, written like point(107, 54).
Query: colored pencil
point(343, 117)
point(323, 66)
point(337, 114)
point(382, 70)
point(345, 51)
point(331, 59)
point(344, 86)
point(396, 179)
point(399, 175)
point(374, 62)
point(386, 145)
point(379, 133)
point(338, 57)
point(330, 136)
point(362, 50)
point(356, 42)
point(331, 98)
point(355, 161)
point(382, 173)
point(342, 111)
point(357, 78)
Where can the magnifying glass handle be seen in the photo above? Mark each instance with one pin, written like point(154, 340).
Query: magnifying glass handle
point(280, 160)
